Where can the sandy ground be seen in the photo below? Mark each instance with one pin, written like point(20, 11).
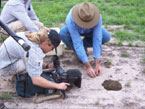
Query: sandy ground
point(127, 70)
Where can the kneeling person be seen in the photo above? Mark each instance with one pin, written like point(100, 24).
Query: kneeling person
point(15, 60)
point(20, 16)
point(85, 20)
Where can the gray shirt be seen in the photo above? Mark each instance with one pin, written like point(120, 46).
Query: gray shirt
point(15, 52)
point(19, 10)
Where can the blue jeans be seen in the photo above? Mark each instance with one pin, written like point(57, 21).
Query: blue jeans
point(87, 41)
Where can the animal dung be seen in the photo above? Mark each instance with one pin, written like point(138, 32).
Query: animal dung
point(112, 85)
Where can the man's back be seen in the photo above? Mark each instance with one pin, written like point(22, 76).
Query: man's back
point(9, 14)
point(20, 16)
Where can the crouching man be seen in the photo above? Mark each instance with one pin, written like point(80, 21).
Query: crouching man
point(20, 16)
point(85, 20)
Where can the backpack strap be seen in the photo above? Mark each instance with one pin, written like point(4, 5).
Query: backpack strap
point(26, 77)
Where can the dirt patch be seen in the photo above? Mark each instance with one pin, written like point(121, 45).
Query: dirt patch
point(126, 70)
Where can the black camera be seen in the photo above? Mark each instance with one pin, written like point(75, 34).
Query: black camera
point(71, 76)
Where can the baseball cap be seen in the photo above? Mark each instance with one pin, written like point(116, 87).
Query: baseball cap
point(54, 38)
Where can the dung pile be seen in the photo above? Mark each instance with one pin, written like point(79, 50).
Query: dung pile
point(112, 85)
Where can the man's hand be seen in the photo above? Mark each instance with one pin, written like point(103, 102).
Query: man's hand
point(47, 29)
point(46, 66)
point(90, 70)
point(63, 86)
point(51, 65)
point(42, 82)
point(98, 70)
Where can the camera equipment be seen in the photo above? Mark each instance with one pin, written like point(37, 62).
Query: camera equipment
point(61, 75)
point(25, 87)
point(18, 39)
point(71, 76)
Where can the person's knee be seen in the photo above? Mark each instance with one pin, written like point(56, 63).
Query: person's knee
point(63, 32)
point(65, 37)
point(17, 26)
point(108, 37)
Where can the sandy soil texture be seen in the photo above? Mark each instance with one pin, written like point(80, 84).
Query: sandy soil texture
point(122, 64)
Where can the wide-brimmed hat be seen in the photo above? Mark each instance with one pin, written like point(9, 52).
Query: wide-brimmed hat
point(86, 15)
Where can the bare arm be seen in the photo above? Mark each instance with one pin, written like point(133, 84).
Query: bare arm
point(42, 82)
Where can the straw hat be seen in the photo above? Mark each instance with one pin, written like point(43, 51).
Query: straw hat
point(85, 15)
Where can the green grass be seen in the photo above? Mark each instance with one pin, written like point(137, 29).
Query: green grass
point(97, 102)
point(124, 54)
point(137, 44)
point(109, 62)
point(2, 38)
point(124, 35)
point(128, 84)
point(119, 42)
point(129, 13)
point(6, 95)
point(130, 44)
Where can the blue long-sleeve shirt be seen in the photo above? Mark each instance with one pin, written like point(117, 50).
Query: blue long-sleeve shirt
point(75, 32)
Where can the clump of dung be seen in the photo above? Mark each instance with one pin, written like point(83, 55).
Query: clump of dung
point(112, 85)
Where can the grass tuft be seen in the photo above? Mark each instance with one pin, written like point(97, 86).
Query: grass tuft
point(6, 95)
point(97, 102)
point(119, 42)
point(2, 38)
point(130, 44)
point(122, 35)
point(128, 84)
point(124, 54)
